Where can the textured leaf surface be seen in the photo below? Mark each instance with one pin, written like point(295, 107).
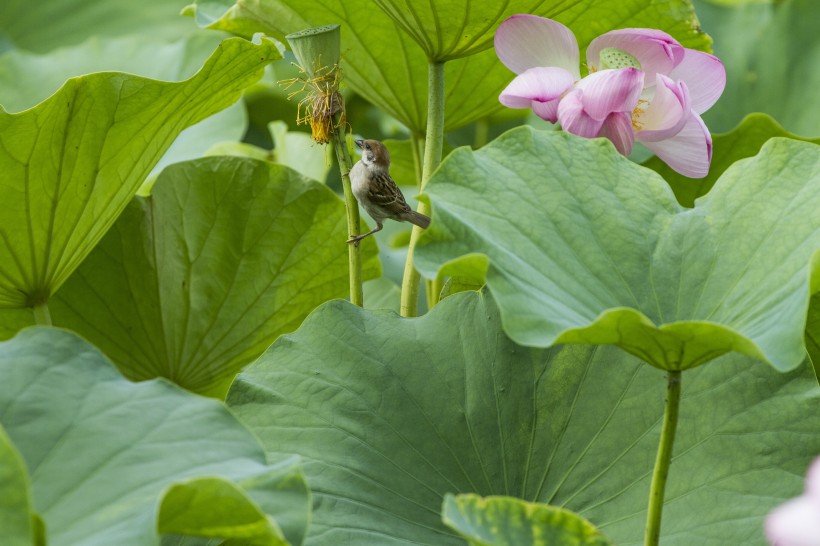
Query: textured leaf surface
point(391, 414)
point(385, 65)
point(507, 521)
point(197, 280)
point(448, 29)
point(743, 141)
point(586, 247)
point(110, 459)
point(71, 164)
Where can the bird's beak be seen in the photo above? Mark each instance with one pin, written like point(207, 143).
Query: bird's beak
point(360, 143)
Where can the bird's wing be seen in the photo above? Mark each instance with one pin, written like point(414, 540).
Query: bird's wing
point(384, 193)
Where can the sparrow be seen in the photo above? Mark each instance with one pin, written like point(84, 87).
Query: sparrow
point(376, 191)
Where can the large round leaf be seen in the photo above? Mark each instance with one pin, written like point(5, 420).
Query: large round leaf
point(386, 66)
point(27, 79)
point(70, 165)
point(449, 29)
point(115, 462)
point(197, 280)
point(391, 414)
point(584, 246)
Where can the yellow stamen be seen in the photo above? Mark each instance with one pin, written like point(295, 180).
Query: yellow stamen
point(321, 102)
point(639, 110)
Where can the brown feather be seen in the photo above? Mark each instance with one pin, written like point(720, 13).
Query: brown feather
point(384, 193)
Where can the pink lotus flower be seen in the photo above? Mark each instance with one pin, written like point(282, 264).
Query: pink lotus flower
point(642, 85)
point(797, 522)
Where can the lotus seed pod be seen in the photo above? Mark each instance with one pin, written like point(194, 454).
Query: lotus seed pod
point(612, 57)
point(316, 48)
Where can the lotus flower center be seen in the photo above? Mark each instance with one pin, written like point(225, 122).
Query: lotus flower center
point(614, 58)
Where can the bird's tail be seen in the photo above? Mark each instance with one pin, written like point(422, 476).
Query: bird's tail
point(417, 218)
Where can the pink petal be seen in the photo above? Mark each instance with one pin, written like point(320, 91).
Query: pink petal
point(655, 50)
point(527, 41)
point(546, 110)
point(705, 77)
point(573, 118)
point(535, 86)
point(795, 523)
point(667, 113)
point(689, 152)
point(610, 91)
point(618, 129)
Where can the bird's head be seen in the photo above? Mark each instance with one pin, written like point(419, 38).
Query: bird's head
point(374, 153)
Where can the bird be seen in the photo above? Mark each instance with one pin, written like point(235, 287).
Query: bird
point(376, 191)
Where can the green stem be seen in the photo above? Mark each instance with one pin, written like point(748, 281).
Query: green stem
point(353, 255)
point(434, 287)
point(434, 142)
point(417, 143)
point(482, 133)
point(42, 316)
point(663, 459)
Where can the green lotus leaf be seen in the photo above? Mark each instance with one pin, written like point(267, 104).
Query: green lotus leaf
point(382, 293)
point(449, 29)
point(298, 151)
point(116, 462)
point(30, 78)
point(17, 520)
point(743, 141)
point(813, 334)
point(197, 280)
point(771, 51)
point(14, 320)
point(584, 246)
point(387, 67)
point(27, 79)
point(391, 414)
point(72, 163)
point(506, 521)
point(59, 23)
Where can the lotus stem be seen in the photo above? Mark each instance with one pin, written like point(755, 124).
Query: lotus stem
point(663, 460)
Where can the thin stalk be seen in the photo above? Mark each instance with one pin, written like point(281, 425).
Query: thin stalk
point(42, 316)
point(482, 133)
point(417, 144)
point(434, 142)
point(434, 287)
point(353, 255)
point(662, 461)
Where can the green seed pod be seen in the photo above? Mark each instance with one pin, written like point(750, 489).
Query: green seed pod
point(612, 57)
point(316, 48)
